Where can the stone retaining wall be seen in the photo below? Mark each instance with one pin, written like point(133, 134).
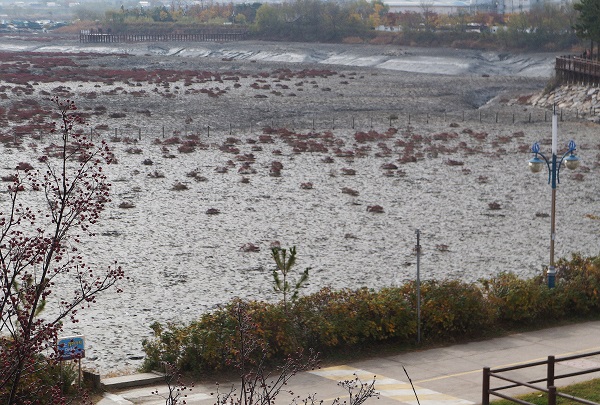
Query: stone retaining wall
point(584, 100)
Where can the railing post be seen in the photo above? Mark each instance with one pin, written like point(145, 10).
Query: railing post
point(485, 392)
point(550, 372)
point(552, 395)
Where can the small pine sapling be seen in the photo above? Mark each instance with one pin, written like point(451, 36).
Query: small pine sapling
point(284, 266)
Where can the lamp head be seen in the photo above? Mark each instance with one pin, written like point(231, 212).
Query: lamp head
point(536, 164)
point(572, 162)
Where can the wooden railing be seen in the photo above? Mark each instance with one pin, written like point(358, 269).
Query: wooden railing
point(574, 69)
point(209, 35)
point(549, 387)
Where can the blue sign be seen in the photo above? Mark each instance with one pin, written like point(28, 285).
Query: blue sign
point(72, 347)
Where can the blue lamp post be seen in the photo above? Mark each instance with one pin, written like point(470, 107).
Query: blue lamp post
point(554, 164)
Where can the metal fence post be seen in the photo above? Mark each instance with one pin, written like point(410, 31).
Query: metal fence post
point(550, 372)
point(485, 392)
point(552, 395)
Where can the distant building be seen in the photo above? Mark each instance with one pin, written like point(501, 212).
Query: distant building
point(469, 6)
point(446, 7)
point(521, 6)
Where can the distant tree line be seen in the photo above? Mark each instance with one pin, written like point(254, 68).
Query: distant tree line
point(301, 20)
point(547, 26)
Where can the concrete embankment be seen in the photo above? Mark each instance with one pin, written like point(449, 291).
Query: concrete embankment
point(583, 100)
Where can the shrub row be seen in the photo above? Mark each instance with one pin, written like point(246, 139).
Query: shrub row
point(334, 321)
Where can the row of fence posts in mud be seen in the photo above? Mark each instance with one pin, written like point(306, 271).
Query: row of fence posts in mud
point(392, 121)
point(207, 35)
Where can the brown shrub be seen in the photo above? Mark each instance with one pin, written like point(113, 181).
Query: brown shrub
point(349, 191)
point(378, 209)
point(178, 186)
point(352, 40)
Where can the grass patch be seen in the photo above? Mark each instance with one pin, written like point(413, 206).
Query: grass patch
point(589, 390)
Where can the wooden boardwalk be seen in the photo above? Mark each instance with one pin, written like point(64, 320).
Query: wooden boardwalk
point(574, 69)
point(208, 35)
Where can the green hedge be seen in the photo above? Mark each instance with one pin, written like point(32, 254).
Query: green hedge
point(333, 321)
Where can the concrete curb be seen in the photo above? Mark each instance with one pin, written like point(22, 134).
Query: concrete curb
point(134, 380)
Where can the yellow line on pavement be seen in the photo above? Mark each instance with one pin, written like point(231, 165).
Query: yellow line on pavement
point(391, 388)
point(442, 377)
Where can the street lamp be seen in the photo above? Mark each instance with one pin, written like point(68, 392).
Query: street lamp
point(554, 164)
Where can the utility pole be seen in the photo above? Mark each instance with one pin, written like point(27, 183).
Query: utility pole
point(418, 249)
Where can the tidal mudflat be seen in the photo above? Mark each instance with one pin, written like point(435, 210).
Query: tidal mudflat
point(224, 150)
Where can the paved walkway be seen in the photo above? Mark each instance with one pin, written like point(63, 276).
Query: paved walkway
point(444, 376)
